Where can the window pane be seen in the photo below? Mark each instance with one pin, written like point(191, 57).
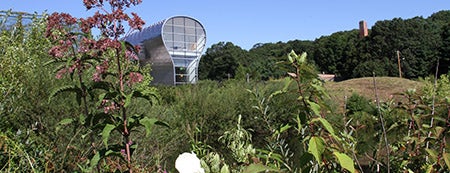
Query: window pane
point(178, 46)
point(168, 28)
point(190, 38)
point(168, 37)
point(190, 23)
point(178, 29)
point(190, 31)
point(200, 31)
point(178, 21)
point(178, 37)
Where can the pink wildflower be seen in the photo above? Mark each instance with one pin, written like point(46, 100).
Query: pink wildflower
point(135, 77)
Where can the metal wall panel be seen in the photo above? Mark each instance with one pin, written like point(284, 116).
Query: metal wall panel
point(173, 47)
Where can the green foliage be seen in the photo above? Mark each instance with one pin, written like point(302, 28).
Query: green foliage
point(25, 119)
point(256, 168)
point(213, 163)
point(421, 42)
point(18, 156)
point(316, 147)
point(357, 103)
point(345, 161)
point(285, 125)
point(322, 140)
point(221, 61)
point(116, 82)
point(239, 142)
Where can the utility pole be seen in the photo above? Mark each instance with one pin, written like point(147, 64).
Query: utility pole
point(399, 64)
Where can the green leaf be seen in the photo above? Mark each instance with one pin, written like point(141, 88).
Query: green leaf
point(430, 168)
point(327, 126)
point(106, 132)
point(104, 85)
point(63, 122)
point(278, 92)
point(258, 167)
point(50, 62)
point(438, 131)
point(225, 169)
point(124, 46)
point(82, 118)
point(94, 160)
point(148, 95)
point(319, 88)
point(314, 107)
point(284, 128)
point(128, 100)
point(302, 57)
point(101, 97)
point(432, 153)
point(345, 161)
point(69, 61)
point(316, 147)
point(299, 123)
point(447, 159)
point(149, 122)
point(287, 83)
point(66, 88)
point(292, 56)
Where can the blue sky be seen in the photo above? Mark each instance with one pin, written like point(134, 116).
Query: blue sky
point(247, 22)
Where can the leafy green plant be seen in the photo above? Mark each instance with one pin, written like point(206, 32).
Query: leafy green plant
point(424, 145)
point(320, 141)
point(19, 156)
point(116, 79)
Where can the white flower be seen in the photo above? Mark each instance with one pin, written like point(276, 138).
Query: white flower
point(188, 163)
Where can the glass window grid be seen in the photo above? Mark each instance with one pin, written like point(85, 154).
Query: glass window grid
point(191, 33)
point(184, 40)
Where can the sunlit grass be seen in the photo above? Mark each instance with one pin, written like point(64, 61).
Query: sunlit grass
point(387, 87)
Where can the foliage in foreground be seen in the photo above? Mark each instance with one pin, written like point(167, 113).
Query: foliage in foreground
point(234, 126)
point(106, 79)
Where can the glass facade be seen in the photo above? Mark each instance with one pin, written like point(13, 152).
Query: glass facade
point(9, 20)
point(182, 39)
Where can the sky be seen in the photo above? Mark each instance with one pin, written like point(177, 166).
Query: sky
point(248, 22)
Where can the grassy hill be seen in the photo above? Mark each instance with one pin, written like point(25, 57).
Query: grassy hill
point(386, 87)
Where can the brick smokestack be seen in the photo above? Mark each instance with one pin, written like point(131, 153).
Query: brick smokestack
point(363, 31)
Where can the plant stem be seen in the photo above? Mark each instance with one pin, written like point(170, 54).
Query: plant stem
point(83, 94)
point(126, 133)
point(80, 79)
point(382, 123)
point(127, 140)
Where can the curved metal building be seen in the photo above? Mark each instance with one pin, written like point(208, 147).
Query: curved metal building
point(173, 47)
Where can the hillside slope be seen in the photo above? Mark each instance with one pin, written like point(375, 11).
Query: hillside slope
point(386, 86)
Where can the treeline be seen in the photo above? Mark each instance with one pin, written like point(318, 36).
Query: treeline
point(421, 43)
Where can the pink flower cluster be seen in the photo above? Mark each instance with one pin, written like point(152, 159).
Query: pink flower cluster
point(100, 70)
point(70, 45)
point(99, 3)
point(134, 77)
point(109, 106)
point(58, 22)
point(71, 69)
point(110, 24)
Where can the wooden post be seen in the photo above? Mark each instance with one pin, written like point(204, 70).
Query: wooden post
point(399, 64)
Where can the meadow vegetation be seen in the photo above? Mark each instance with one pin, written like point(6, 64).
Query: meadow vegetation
point(296, 123)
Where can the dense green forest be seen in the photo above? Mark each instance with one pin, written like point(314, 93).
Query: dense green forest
point(64, 109)
point(422, 44)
